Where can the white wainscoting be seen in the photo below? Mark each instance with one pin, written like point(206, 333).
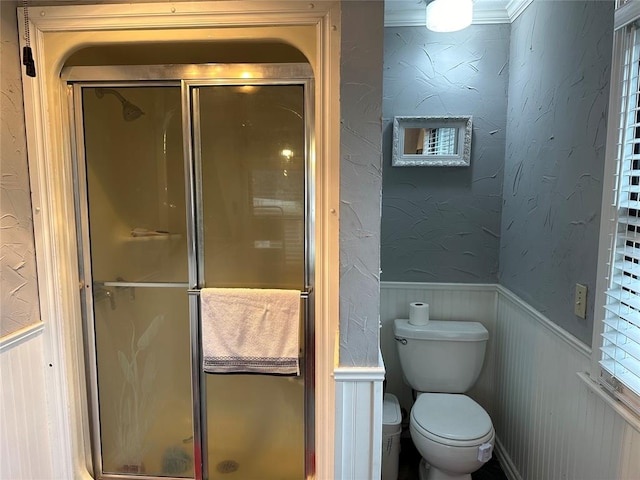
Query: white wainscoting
point(358, 448)
point(550, 423)
point(25, 448)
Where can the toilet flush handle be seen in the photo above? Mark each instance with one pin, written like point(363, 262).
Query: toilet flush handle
point(401, 340)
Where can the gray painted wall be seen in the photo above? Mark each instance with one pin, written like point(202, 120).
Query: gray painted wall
point(558, 96)
point(360, 181)
point(443, 224)
point(19, 286)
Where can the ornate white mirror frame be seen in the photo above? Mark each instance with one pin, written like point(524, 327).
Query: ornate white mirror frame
point(433, 141)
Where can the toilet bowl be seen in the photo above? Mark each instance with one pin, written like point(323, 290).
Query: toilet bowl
point(453, 434)
point(441, 361)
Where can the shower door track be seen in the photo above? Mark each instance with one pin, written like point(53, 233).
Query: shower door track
point(189, 78)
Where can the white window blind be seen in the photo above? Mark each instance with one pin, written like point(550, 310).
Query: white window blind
point(440, 141)
point(620, 359)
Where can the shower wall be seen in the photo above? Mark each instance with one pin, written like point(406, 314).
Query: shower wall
point(442, 224)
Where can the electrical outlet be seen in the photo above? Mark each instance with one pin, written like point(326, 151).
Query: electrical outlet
point(580, 307)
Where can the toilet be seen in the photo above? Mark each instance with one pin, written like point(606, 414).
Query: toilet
point(441, 361)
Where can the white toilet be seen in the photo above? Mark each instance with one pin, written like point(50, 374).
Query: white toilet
point(441, 361)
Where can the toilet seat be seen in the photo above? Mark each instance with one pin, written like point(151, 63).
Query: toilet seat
point(451, 419)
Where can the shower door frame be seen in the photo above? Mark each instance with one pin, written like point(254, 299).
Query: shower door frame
point(189, 78)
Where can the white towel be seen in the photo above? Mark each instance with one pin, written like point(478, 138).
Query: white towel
point(250, 330)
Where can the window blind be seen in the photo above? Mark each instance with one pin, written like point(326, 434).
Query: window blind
point(440, 141)
point(620, 3)
point(620, 359)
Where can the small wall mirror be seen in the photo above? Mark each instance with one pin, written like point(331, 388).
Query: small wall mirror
point(436, 141)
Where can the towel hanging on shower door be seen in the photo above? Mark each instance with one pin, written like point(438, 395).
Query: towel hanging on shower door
point(250, 330)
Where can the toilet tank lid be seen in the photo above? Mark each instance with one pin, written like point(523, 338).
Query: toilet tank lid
point(441, 330)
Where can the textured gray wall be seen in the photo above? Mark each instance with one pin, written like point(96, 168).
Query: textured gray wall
point(558, 95)
point(360, 181)
point(19, 286)
point(442, 224)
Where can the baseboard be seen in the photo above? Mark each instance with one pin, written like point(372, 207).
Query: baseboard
point(506, 463)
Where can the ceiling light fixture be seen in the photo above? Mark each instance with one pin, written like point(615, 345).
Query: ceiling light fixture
point(449, 15)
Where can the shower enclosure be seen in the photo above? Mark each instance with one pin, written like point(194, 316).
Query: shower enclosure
point(188, 177)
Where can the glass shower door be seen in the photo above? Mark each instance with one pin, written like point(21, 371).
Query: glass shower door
point(135, 270)
point(251, 159)
point(187, 180)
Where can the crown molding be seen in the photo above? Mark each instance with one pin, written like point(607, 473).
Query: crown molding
point(516, 7)
point(400, 13)
point(490, 14)
point(404, 15)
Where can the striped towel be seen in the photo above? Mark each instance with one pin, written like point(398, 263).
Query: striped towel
point(250, 330)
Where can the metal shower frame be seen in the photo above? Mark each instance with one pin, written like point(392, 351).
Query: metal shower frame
point(189, 78)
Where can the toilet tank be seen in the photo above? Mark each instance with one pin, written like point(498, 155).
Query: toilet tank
point(444, 357)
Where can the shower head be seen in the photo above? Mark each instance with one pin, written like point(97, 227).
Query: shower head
point(130, 112)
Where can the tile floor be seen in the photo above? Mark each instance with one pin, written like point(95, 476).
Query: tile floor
point(410, 459)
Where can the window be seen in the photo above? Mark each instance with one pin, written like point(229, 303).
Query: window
point(619, 355)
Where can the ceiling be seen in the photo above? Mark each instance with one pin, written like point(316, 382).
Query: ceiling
point(412, 12)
